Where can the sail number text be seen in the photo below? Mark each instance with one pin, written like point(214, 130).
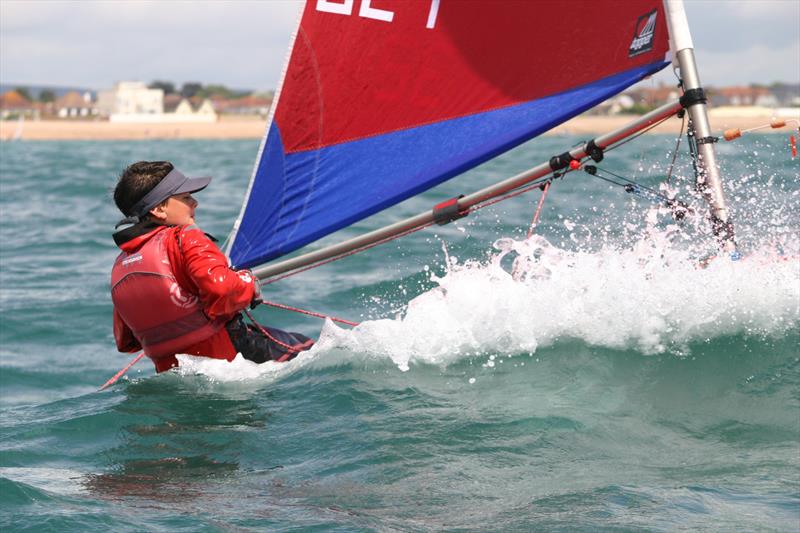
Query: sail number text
point(345, 7)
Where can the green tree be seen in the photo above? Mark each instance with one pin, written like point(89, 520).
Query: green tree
point(167, 86)
point(639, 108)
point(221, 91)
point(24, 92)
point(215, 90)
point(47, 95)
point(191, 88)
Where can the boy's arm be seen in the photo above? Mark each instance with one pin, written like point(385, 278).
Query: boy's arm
point(222, 291)
point(126, 342)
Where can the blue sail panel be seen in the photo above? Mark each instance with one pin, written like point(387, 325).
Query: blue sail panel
point(299, 197)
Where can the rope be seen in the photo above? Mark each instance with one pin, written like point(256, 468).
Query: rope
point(677, 147)
point(644, 191)
point(346, 254)
point(534, 185)
point(309, 313)
point(635, 184)
point(121, 372)
point(289, 349)
point(545, 188)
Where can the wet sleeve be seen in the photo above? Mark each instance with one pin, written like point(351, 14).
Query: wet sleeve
point(126, 342)
point(222, 291)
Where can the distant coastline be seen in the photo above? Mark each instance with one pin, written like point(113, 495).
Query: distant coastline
point(238, 127)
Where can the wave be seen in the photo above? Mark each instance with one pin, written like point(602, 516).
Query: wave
point(651, 298)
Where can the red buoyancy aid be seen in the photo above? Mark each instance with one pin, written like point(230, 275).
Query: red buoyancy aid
point(163, 317)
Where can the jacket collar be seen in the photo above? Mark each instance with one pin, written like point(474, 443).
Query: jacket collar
point(136, 235)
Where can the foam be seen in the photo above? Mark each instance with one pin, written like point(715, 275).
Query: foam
point(53, 480)
point(240, 369)
point(649, 297)
point(652, 296)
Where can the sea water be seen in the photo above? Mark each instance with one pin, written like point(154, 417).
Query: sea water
point(607, 374)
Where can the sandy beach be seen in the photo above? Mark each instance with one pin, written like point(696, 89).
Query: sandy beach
point(253, 128)
point(87, 130)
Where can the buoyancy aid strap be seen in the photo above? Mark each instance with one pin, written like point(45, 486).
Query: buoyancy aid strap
point(175, 328)
point(141, 273)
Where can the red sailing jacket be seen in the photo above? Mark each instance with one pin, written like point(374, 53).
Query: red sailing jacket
point(208, 294)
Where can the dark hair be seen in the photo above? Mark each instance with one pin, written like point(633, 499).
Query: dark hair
point(136, 181)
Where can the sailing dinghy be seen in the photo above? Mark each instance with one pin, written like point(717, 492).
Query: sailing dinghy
point(381, 100)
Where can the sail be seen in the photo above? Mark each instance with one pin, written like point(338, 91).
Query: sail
point(383, 99)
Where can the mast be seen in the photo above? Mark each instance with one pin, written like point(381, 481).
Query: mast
point(708, 180)
point(464, 203)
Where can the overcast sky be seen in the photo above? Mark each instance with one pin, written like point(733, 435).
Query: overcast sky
point(242, 43)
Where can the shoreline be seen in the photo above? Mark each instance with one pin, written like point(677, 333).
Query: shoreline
point(254, 127)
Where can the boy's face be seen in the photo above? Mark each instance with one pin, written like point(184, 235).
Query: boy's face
point(178, 210)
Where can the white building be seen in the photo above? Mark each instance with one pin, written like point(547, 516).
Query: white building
point(130, 101)
point(206, 109)
point(184, 108)
point(186, 112)
point(75, 105)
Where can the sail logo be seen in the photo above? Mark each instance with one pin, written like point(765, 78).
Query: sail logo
point(644, 34)
point(345, 7)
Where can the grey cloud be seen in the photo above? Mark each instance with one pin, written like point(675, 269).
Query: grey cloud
point(239, 43)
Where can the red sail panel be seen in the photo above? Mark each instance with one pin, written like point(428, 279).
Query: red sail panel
point(353, 75)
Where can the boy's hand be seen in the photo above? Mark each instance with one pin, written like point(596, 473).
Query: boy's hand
point(255, 302)
point(246, 275)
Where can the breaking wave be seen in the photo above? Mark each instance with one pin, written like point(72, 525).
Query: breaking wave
point(530, 294)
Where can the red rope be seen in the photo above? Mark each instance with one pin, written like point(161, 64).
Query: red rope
point(289, 349)
point(535, 220)
point(121, 372)
point(346, 254)
point(535, 185)
point(309, 313)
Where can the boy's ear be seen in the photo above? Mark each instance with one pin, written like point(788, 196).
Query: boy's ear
point(160, 211)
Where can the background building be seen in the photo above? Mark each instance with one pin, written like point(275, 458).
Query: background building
point(75, 105)
point(14, 105)
point(130, 99)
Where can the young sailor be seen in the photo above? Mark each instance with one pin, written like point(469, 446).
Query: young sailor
point(172, 289)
